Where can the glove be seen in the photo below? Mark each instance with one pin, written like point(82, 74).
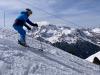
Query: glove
point(28, 28)
point(35, 24)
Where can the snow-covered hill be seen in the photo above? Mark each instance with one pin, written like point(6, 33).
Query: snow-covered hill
point(91, 58)
point(17, 60)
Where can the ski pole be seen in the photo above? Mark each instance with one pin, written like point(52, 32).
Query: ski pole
point(40, 40)
point(41, 46)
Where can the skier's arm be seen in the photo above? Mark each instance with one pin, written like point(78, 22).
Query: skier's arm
point(32, 24)
point(27, 26)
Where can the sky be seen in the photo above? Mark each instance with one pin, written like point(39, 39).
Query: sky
point(73, 13)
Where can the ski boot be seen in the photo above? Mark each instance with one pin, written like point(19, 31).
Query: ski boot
point(22, 43)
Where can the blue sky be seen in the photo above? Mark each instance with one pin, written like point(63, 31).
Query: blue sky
point(74, 13)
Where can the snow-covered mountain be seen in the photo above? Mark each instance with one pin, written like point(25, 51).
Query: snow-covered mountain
point(17, 60)
point(80, 42)
point(53, 33)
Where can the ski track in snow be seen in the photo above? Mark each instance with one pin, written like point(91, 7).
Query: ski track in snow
point(37, 63)
point(51, 58)
point(45, 55)
point(32, 51)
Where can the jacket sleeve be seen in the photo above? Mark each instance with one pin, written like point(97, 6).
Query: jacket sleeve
point(27, 26)
point(32, 24)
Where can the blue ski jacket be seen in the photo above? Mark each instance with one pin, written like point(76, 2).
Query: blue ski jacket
point(22, 19)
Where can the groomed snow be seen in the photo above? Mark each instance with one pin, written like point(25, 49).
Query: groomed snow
point(17, 60)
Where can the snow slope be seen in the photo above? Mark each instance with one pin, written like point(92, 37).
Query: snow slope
point(17, 60)
point(91, 58)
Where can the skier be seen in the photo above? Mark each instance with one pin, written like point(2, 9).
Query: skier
point(20, 22)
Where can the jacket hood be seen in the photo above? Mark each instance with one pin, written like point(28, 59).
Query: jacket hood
point(23, 12)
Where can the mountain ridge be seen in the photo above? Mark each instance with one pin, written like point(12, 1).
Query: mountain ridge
point(65, 37)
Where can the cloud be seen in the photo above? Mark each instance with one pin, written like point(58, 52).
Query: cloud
point(62, 7)
point(78, 11)
point(8, 5)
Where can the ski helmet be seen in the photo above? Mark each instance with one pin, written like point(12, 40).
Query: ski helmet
point(29, 10)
